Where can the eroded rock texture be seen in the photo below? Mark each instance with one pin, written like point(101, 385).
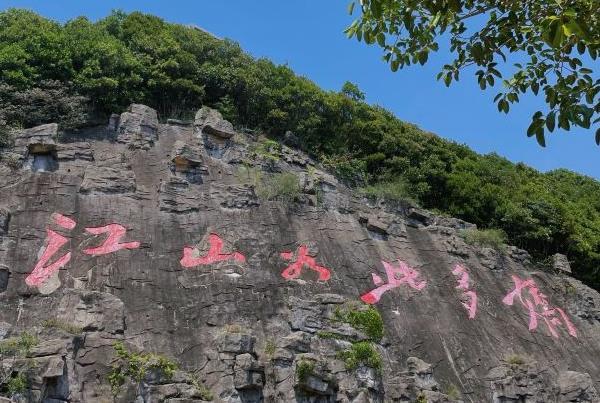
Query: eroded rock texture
point(155, 235)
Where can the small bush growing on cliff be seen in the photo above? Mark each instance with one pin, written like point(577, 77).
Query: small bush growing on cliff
point(203, 391)
point(367, 320)
point(491, 238)
point(11, 160)
point(270, 348)
point(421, 398)
point(304, 369)
point(266, 149)
point(137, 366)
point(62, 325)
point(18, 346)
point(452, 392)
point(570, 288)
point(282, 186)
point(390, 191)
point(13, 356)
point(515, 360)
point(361, 353)
point(16, 385)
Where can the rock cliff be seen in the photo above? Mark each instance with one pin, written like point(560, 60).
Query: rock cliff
point(186, 262)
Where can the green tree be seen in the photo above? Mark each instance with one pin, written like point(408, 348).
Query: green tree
point(537, 46)
point(352, 91)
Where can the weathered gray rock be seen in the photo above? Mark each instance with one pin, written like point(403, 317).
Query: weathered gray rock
point(211, 121)
point(138, 127)
point(291, 139)
point(92, 311)
point(561, 263)
point(419, 216)
point(119, 179)
point(4, 329)
point(215, 132)
point(4, 275)
point(237, 343)
point(248, 373)
point(187, 162)
point(113, 122)
point(519, 255)
point(39, 139)
point(577, 387)
point(4, 220)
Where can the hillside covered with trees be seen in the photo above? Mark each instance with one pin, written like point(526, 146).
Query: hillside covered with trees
point(80, 72)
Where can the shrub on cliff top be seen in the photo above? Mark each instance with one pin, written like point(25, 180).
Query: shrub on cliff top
point(491, 238)
point(281, 186)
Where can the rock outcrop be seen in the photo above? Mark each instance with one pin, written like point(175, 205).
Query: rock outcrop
point(263, 278)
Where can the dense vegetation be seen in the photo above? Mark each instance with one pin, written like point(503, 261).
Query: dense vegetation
point(555, 42)
point(81, 71)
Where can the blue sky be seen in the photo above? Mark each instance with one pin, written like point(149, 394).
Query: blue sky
point(308, 36)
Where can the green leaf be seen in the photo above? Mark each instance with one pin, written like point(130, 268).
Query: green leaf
point(351, 8)
point(531, 129)
point(448, 79)
point(535, 125)
point(598, 136)
point(423, 56)
point(477, 52)
point(539, 136)
point(552, 33)
point(572, 28)
point(535, 87)
point(551, 121)
point(558, 35)
point(394, 65)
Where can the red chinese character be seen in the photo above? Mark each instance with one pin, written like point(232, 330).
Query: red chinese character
point(539, 307)
point(55, 241)
point(215, 254)
point(111, 244)
point(396, 276)
point(295, 269)
point(41, 272)
point(469, 295)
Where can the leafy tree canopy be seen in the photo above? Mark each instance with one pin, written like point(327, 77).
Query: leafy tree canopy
point(540, 46)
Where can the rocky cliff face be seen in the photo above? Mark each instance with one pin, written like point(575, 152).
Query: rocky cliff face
point(162, 237)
